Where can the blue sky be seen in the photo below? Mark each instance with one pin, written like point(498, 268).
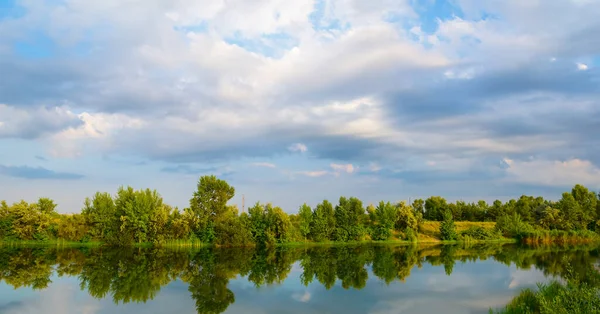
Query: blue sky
point(297, 101)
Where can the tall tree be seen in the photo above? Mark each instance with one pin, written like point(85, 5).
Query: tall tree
point(209, 203)
point(385, 216)
point(305, 217)
point(348, 219)
point(588, 202)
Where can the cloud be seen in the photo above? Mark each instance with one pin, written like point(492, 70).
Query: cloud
point(33, 123)
point(553, 173)
point(313, 174)
point(347, 168)
point(264, 164)
point(406, 91)
point(27, 172)
point(302, 297)
point(190, 170)
point(298, 147)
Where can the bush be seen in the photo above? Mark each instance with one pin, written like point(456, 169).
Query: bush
point(512, 226)
point(480, 233)
point(447, 228)
point(410, 235)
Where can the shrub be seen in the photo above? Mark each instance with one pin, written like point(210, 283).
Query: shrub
point(410, 235)
point(447, 228)
point(512, 226)
point(480, 233)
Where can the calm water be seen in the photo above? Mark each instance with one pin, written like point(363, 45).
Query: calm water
point(366, 279)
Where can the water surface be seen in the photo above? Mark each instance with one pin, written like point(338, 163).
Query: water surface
point(362, 279)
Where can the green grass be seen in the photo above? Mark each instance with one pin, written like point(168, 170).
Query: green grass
point(556, 298)
point(50, 243)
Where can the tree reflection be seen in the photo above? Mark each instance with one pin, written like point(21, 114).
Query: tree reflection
point(137, 275)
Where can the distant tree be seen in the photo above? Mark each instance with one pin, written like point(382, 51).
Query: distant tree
point(418, 206)
point(435, 207)
point(588, 202)
point(305, 217)
point(100, 215)
point(573, 215)
point(385, 217)
point(323, 223)
point(348, 219)
point(447, 228)
point(406, 218)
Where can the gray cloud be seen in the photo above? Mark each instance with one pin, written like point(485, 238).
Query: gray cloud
point(33, 123)
point(27, 172)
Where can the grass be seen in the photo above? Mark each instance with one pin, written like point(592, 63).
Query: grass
point(573, 297)
point(50, 243)
point(429, 232)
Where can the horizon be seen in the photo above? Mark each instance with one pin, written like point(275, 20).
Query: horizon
point(301, 101)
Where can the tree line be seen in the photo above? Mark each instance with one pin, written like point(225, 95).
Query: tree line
point(140, 216)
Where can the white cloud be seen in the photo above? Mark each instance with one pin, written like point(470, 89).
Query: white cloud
point(553, 173)
point(582, 66)
point(298, 147)
point(313, 174)
point(264, 164)
point(347, 168)
point(302, 297)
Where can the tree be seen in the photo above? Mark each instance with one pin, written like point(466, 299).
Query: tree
point(209, 203)
point(525, 208)
point(573, 216)
point(46, 205)
point(406, 218)
point(305, 217)
point(418, 206)
point(447, 228)
point(323, 223)
point(385, 218)
point(588, 202)
point(99, 214)
point(348, 219)
point(435, 207)
point(134, 210)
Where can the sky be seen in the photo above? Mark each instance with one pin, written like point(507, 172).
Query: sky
point(299, 101)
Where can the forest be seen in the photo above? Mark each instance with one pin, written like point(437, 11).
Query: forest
point(140, 217)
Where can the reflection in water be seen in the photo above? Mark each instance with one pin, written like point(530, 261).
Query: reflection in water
point(137, 275)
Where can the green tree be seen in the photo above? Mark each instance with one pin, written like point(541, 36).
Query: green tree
point(323, 226)
point(385, 218)
point(348, 219)
point(406, 218)
point(134, 210)
point(573, 217)
point(305, 216)
point(587, 202)
point(447, 228)
point(435, 207)
point(100, 215)
point(209, 203)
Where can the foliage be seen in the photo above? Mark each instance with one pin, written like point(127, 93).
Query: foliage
point(447, 228)
point(305, 216)
point(140, 217)
point(348, 214)
point(385, 218)
point(512, 226)
point(576, 296)
point(480, 233)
